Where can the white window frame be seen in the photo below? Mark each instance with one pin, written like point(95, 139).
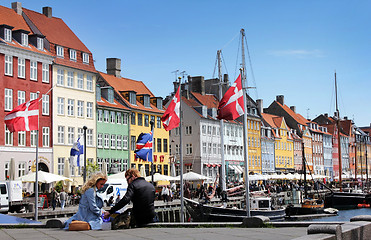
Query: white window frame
point(21, 169)
point(113, 141)
point(118, 141)
point(60, 77)
point(8, 65)
point(71, 107)
point(46, 136)
point(100, 115)
point(72, 55)
point(89, 82)
point(106, 116)
point(60, 166)
point(70, 82)
point(45, 104)
point(40, 43)
point(125, 141)
point(71, 135)
point(100, 140)
point(8, 99)
point(33, 138)
point(89, 110)
point(125, 119)
point(7, 34)
point(21, 97)
point(60, 106)
point(8, 137)
point(80, 81)
point(24, 39)
point(80, 108)
point(45, 76)
point(89, 137)
point(22, 138)
point(112, 117)
point(106, 140)
point(60, 51)
point(33, 70)
point(61, 134)
point(85, 57)
point(21, 68)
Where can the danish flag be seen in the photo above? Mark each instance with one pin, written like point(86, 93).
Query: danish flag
point(171, 117)
point(25, 117)
point(231, 106)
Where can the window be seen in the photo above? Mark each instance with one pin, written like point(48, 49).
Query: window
point(61, 134)
point(21, 169)
point(80, 108)
point(209, 130)
point(60, 51)
point(125, 118)
point(80, 81)
point(60, 77)
point(112, 117)
point(72, 54)
point(125, 142)
point(7, 34)
point(8, 65)
point(46, 137)
point(165, 145)
point(21, 97)
point(33, 70)
point(188, 130)
point(60, 107)
point(132, 118)
point(106, 140)
point(61, 166)
point(89, 83)
point(146, 101)
point(40, 43)
point(100, 140)
point(140, 119)
point(214, 148)
point(204, 151)
point(8, 137)
point(89, 137)
point(118, 118)
point(70, 107)
point(100, 115)
point(8, 99)
point(106, 116)
point(33, 138)
point(45, 77)
point(132, 98)
point(71, 135)
point(203, 129)
point(6, 168)
point(209, 148)
point(189, 148)
point(118, 141)
point(159, 123)
point(70, 79)
point(89, 110)
point(132, 143)
point(85, 58)
point(45, 106)
point(24, 39)
point(146, 120)
point(113, 141)
point(159, 147)
point(22, 138)
point(21, 68)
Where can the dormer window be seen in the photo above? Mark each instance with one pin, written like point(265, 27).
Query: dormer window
point(72, 54)
point(146, 102)
point(132, 98)
point(7, 34)
point(85, 58)
point(159, 103)
point(59, 51)
point(24, 39)
point(40, 43)
point(110, 95)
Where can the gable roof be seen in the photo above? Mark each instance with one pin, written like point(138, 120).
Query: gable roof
point(208, 100)
point(10, 17)
point(297, 117)
point(104, 103)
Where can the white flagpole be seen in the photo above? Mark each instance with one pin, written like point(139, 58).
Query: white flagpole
point(36, 176)
point(181, 154)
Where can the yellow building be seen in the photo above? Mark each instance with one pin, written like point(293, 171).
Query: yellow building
point(254, 143)
point(307, 139)
point(144, 107)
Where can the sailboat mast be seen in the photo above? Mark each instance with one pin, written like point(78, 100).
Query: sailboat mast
point(304, 167)
point(338, 129)
point(246, 150)
point(223, 175)
point(181, 154)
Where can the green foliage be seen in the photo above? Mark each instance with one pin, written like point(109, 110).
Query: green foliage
point(91, 168)
point(59, 186)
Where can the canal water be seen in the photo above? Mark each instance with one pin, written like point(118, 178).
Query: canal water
point(344, 215)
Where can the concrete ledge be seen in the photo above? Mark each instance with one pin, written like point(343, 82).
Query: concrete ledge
point(320, 236)
point(329, 229)
point(361, 218)
point(357, 230)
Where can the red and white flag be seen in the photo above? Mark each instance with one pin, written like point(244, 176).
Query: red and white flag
point(25, 117)
point(171, 117)
point(231, 105)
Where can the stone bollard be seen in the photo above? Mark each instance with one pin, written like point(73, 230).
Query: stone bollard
point(366, 218)
point(329, 229)
point(255, 222)
point(54, 223)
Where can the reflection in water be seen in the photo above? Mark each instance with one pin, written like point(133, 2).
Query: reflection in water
point(344, 215)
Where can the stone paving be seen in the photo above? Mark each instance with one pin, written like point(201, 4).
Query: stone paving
point(157, 233)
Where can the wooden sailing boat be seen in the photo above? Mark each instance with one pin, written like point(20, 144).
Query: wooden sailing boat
point(341, 199)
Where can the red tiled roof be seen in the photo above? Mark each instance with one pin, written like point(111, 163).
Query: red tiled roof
point(346, 126)
point(208, 100)
point(104, 103)
point(124, 84)
point(273, 120)
point(10, 17)
point(56, 31)
point(299, 118)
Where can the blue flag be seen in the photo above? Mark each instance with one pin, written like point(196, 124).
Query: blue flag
point(144, 147)
point(76, 150)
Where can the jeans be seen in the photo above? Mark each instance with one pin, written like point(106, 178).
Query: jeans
point(62, 203)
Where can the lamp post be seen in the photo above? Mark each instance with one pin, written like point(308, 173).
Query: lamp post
point(85, 128)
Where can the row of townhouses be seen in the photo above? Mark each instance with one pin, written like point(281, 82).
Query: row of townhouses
point(40, 57)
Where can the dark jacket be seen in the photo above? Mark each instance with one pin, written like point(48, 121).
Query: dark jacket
point(142, 194)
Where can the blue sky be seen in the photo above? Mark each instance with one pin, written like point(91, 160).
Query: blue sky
point(295, 46)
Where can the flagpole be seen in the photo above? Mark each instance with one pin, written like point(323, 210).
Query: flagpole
point(37, 177)
point(153, 144)
point(85, 127)
point(181, 154)
point(246, 150)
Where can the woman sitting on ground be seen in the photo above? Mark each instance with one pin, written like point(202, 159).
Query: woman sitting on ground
point(90, 207)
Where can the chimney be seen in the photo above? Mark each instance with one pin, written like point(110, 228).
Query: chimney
point(17, 7)
point(114, 66)
point(225, 78)
point(293, 108)
point(280, 99)
point(345, 118)
point(326, 115)
point(197, 84)
point(259, 103)
point(47, 11)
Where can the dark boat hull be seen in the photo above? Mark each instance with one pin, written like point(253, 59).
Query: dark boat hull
point(291, 210)
point(344, 200)
point(205, 213)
